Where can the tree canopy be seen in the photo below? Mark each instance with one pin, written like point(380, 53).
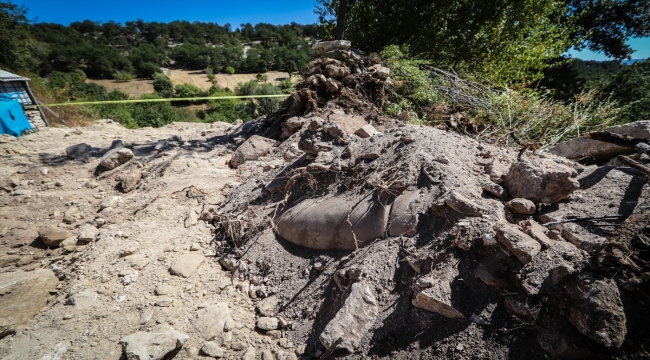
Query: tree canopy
point(15, 39)
point(504, 40)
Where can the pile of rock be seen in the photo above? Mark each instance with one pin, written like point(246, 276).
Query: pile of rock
point(463, 211)
point(341, 76)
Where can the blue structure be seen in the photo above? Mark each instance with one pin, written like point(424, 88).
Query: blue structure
point(18, 113)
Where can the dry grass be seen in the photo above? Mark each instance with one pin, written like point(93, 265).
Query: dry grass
point(134, 88)
point(200, 78)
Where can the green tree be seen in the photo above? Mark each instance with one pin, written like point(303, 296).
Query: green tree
point(504, 40)
point(631, 87)
point(162, 84)
point(15, 38)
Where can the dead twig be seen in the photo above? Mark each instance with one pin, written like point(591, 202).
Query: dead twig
point(584, 219)
point(642, 168)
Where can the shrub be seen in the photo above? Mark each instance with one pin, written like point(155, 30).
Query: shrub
point(211, 77)
point(123, 77)
point(147, 70)
point(229, 70)
point(162, 84)
point(188, 91)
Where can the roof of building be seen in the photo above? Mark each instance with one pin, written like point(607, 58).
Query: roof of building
point(6, 76)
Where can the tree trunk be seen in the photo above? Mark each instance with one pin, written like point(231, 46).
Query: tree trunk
point(340, 20)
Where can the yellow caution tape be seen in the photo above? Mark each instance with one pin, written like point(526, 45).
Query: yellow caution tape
point(164, 100)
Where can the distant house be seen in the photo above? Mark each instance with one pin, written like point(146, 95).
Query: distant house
point(17, 104)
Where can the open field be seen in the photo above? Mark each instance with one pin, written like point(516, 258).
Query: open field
point(199, 78)
point(134, 88)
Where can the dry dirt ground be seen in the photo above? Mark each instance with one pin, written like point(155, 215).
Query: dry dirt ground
point(199, 78)
point(120, 283)
point(134, 88)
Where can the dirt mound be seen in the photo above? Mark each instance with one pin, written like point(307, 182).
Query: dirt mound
point(423, 221)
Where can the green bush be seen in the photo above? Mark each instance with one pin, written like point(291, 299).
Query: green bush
point(188, 91)
point(147, 70)
point(229, 70)
point(123, 77)
point(163, 85)
point(211, 77)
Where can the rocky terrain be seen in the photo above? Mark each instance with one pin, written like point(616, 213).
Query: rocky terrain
point(325, 230)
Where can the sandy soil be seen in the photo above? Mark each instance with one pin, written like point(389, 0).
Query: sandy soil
point(92, 306)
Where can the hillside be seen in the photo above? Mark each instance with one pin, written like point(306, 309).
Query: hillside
point(140, 48)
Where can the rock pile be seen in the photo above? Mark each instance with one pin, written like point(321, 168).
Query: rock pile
point(471, 220)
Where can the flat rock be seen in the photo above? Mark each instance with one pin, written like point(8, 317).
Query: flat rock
point(349, 123)
point(88, 233)
point(212, 349)
point(437, 298)
point(268, 323)
point(186, 265)
point(541, 181)
point(521, 206)
point(352, 322)
point(53, 236)
point(210, 321)
point(464, 205)
point(153, 345)
point(597, 310)
point(24, 294)
point(366, 131)
point(84, 300)
point(325, 46)
point(601, 151)
point(521, 245)
point(115, 157)
point(252, 149)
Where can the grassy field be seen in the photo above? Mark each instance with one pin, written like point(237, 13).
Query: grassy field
point(134, 88)
point(199, 78)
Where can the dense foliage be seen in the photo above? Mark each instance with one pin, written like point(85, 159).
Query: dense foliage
point(140, 48)
point(505, 41)
point(15, 39)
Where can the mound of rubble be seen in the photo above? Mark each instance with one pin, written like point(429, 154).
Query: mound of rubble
point(384, 240)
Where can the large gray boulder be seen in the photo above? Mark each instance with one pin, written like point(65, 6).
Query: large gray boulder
point(437, 297)
point(153, 345)
point(350, 223)
point(600, 151)
point(352, 322)
point(52, 236)
point(252, 149)
point(210, 321)
point(115, 157)
point(597, 309)
point(541, 181)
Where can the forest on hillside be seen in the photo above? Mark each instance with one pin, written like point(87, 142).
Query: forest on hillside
point(517, 49)
point(140, 48)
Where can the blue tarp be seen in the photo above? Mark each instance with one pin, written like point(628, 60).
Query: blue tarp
point(12, 117)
